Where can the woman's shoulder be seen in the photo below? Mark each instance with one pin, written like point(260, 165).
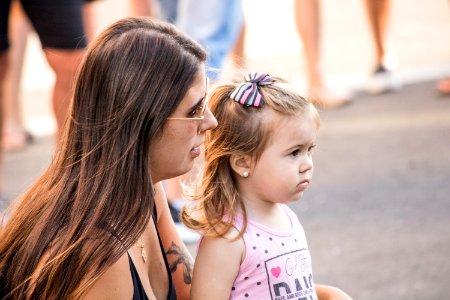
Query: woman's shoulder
point(114, 283)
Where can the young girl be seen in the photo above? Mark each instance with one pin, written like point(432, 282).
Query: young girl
point(257, 160)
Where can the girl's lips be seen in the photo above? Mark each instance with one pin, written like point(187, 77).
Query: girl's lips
point(302, 185)
point(195, 152)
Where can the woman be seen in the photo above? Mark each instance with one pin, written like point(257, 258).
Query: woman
point(96, 224)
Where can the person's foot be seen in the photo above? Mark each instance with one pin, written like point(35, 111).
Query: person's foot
point(327, 99)
point(443, 86)
point(382, 81)
point(16, 140)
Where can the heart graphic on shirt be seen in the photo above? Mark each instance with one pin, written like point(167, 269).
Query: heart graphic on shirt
point(276, 271)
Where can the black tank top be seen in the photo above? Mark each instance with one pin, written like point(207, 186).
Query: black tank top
point(138, 288)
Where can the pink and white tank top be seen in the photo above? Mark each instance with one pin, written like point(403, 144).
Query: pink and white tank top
point(277, 264)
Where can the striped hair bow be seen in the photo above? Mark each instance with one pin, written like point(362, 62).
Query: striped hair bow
point(249, 93)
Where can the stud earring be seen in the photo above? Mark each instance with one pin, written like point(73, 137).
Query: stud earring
point(245, 174)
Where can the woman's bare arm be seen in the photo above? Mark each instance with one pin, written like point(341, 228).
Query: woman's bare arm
point(178, 256)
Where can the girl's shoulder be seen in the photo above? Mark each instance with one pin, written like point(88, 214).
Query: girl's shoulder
point(231, 242)
point(217, 264)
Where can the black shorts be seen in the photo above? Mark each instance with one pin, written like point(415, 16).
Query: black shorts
point(58, 23)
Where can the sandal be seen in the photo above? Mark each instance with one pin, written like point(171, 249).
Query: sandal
point(443, 86)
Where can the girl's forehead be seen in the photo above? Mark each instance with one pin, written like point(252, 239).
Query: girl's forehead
point(293, 128)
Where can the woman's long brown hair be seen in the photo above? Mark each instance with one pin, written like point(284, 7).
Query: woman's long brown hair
point(96, 197)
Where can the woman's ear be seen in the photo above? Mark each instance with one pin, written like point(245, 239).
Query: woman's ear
point(241, 164)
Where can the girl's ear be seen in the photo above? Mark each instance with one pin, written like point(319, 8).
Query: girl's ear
point(241, 164)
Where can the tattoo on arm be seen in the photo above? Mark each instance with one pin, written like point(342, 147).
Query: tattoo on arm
point(183, 259)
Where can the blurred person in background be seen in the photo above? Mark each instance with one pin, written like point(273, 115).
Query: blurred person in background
point(61, 32)
point(141, 7)
point(308, 20)
point(60, 29)
point(15, 135)
point(307, 17)
point(215, 24)
point(383, 78)
point(443, 86)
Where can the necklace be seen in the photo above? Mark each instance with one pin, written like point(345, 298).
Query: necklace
point(143, 253)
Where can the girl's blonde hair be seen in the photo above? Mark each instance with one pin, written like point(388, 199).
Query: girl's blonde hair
point(242, 130)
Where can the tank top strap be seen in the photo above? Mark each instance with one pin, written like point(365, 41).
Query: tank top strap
point(172, 294)
point(138, 288)
point(139, 292)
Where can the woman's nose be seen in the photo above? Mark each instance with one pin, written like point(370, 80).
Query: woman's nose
point(209, 121)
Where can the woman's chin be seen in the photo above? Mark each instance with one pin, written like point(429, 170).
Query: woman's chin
point(182, 170)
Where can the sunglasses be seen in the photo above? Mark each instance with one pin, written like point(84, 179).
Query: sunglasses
point(198, 112)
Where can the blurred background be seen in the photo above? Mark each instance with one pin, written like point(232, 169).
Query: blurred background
point(377, 215)
point(419, 33)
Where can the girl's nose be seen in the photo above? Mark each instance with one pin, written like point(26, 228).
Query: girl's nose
point(307, 163)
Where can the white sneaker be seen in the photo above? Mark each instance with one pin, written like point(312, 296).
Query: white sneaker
point(187, 235)
point(382, 81)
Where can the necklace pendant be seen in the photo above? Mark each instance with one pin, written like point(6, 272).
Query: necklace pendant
point(143, 254)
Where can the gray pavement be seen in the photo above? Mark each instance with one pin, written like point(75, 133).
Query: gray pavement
point(377, 213)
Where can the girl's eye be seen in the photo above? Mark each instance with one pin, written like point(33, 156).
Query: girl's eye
point(295, 153)
point(311, 148)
